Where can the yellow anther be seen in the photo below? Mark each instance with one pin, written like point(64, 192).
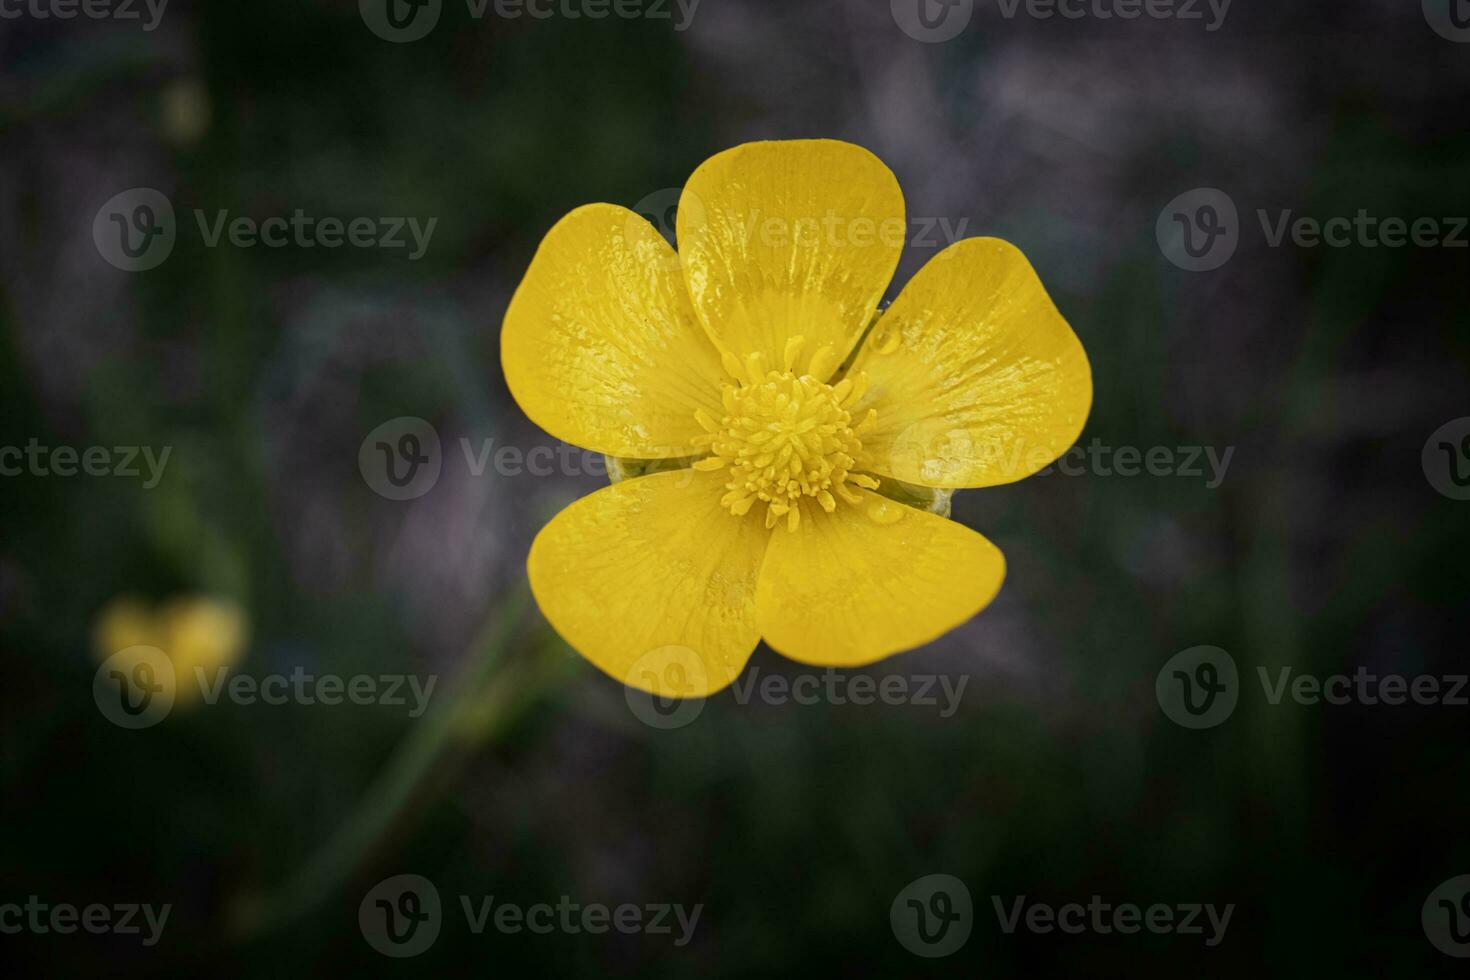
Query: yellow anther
point(733, 367)
point(823, 363)
point(793, 351)
point(785, 440)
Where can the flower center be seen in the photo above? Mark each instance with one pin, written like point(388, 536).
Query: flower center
point(786, 437)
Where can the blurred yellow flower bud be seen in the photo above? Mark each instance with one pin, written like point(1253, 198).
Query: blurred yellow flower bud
point(191, 631)
point(205, 633)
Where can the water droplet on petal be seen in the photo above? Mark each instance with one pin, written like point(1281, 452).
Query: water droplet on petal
point(884, 511)
point(886, 338)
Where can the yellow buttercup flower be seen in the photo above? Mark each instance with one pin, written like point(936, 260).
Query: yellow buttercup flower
point(755, 357)
point(191, 631)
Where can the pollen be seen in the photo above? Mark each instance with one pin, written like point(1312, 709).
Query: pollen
point(787, 439)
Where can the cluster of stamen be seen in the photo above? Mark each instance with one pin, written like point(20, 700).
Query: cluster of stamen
point(786, 437)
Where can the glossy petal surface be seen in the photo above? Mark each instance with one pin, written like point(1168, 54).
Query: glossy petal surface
point(647, 564)
point(855, 585)
point(600, 345)
point(789, 238)
point(976, 377)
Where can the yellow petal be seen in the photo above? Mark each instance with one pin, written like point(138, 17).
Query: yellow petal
point(600, 346)
point(647, 564)
point(789, 238)
point(202, 632)
point(976, 377)
point(864, 581)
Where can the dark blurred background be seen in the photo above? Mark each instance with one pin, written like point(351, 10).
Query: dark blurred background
point(1324, 547)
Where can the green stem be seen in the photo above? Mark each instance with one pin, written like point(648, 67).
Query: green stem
point(396, 786)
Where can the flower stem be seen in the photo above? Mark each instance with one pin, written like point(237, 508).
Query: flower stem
point(448, 732)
